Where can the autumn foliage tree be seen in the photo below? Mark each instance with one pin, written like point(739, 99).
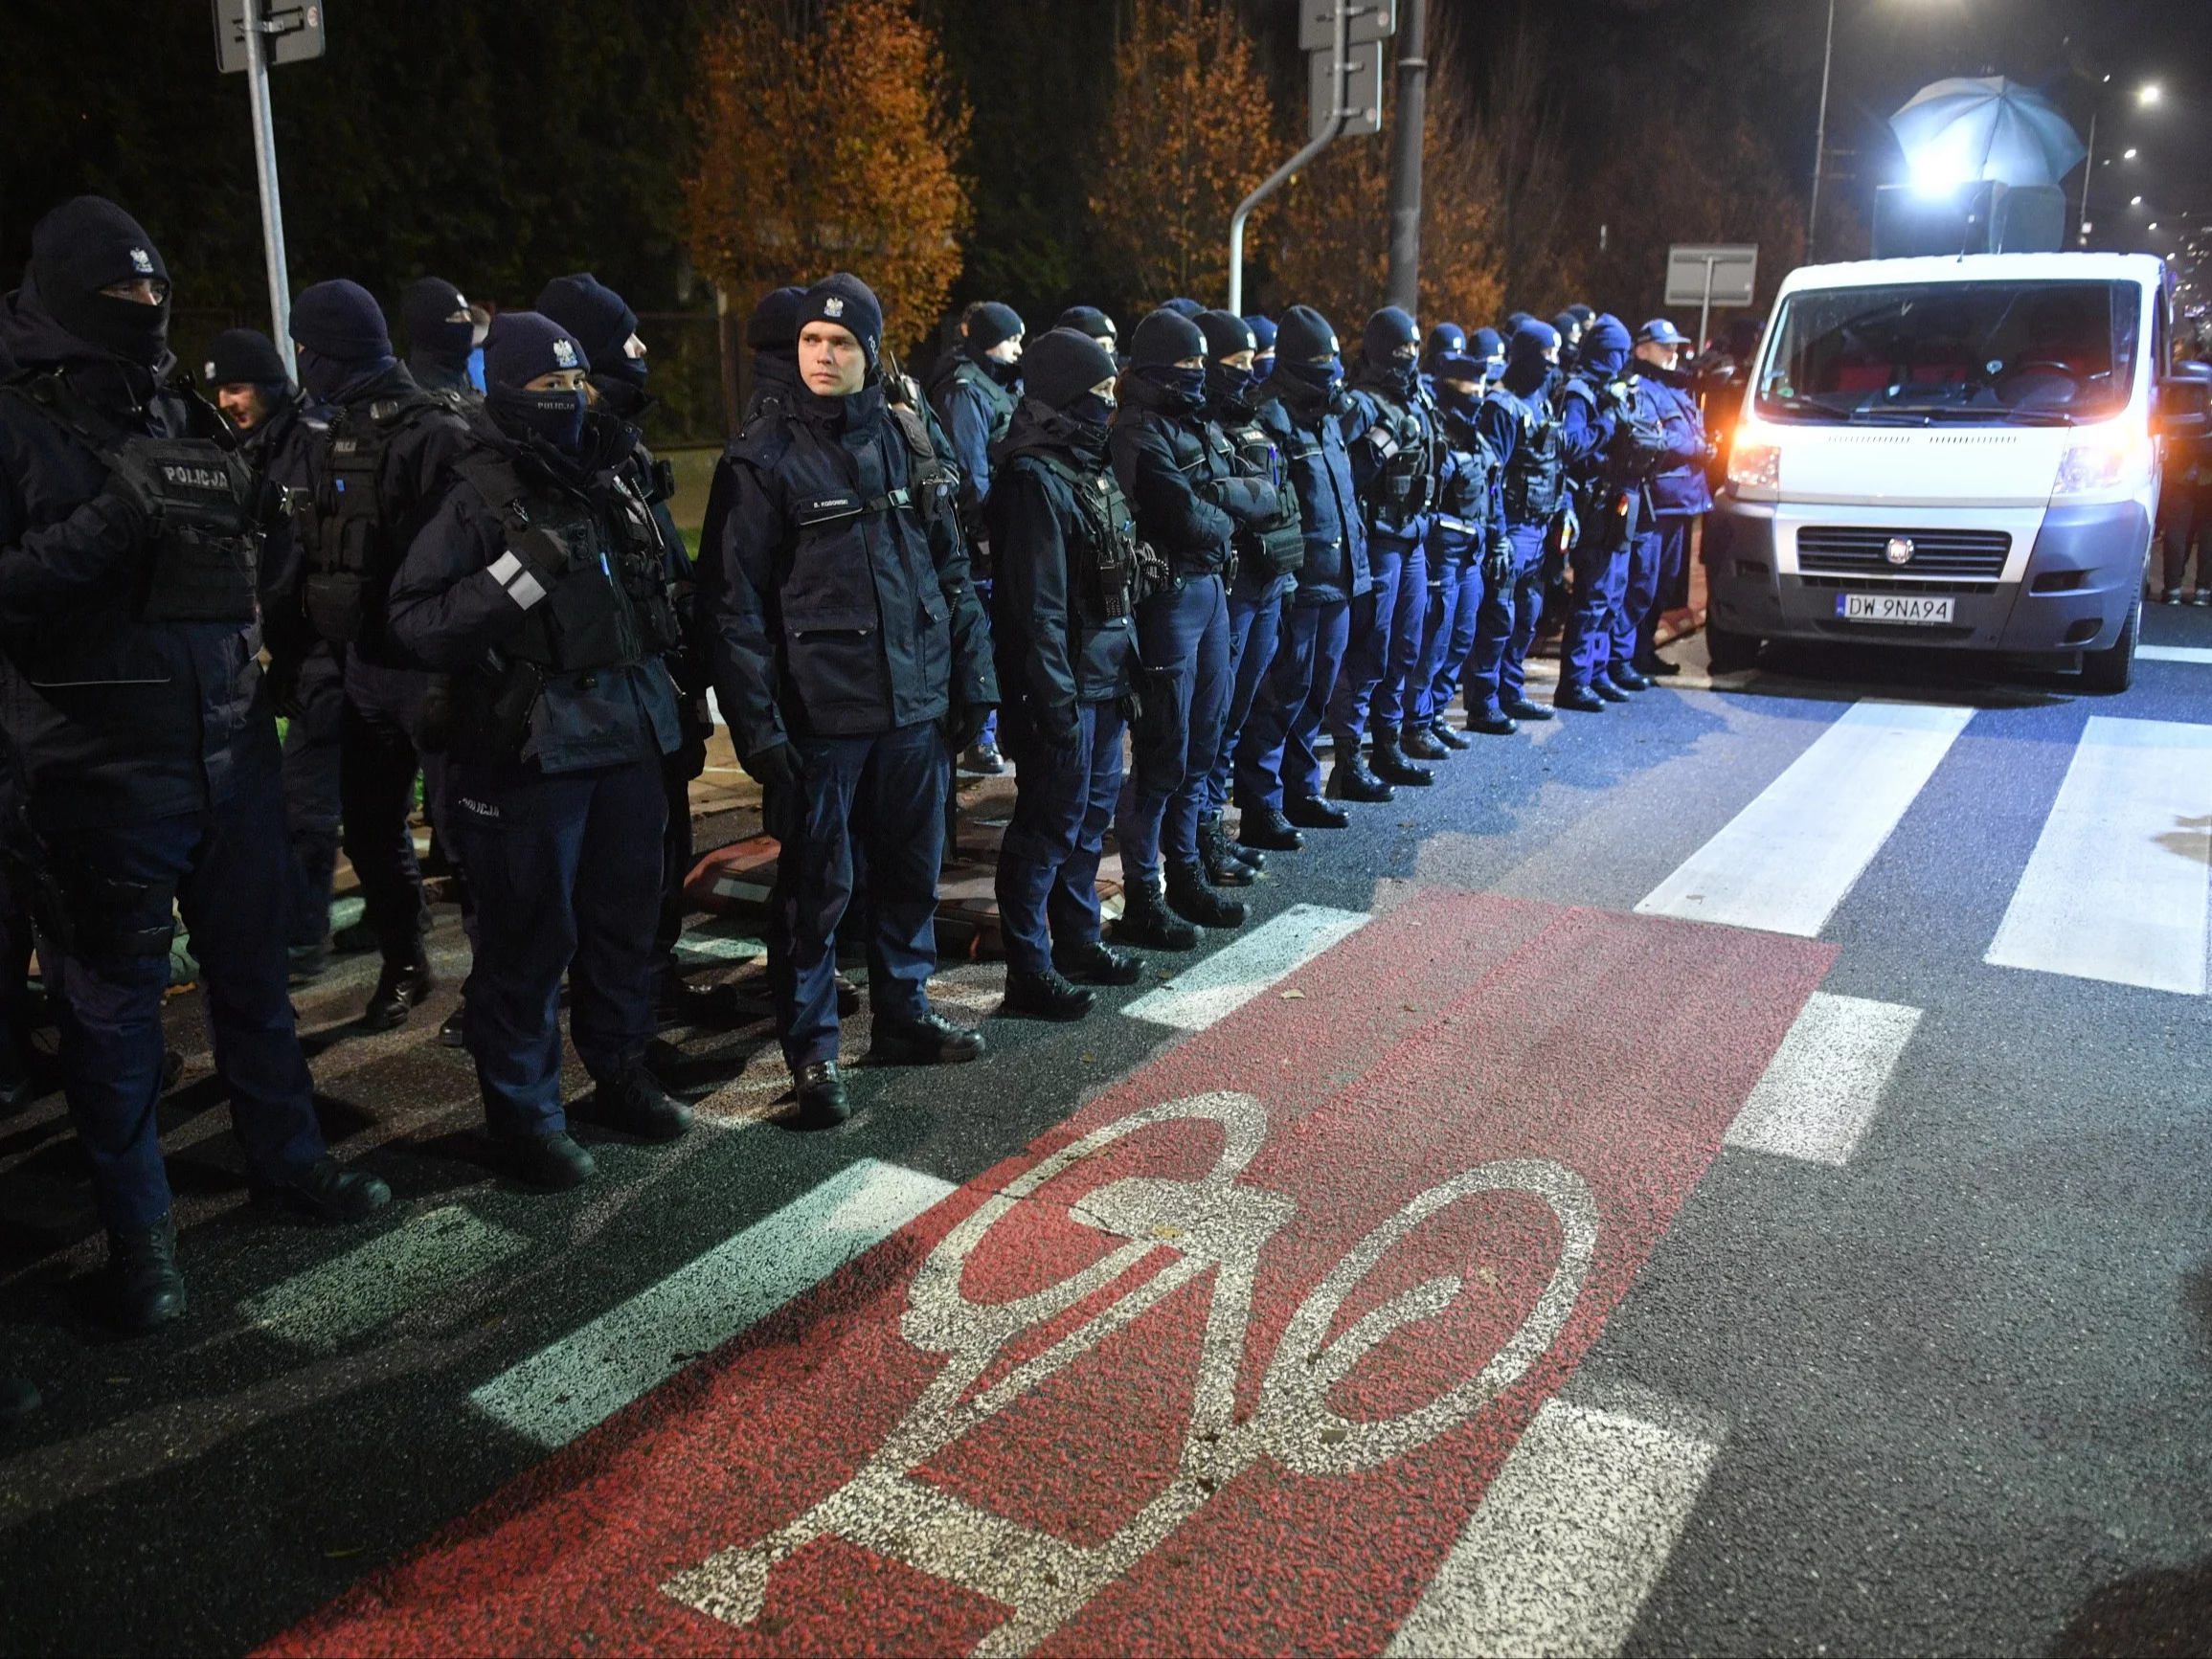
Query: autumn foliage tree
point(827, 136)
point(1192, 132)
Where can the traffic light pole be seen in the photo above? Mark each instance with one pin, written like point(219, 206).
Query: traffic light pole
point(257, 47)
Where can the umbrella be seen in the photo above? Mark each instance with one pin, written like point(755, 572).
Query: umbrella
point(1986, 128)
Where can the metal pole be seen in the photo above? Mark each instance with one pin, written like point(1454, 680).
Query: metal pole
point(2088, 170)
point(272, 202)
point(1706, 311)
point(1405, 284)
point(1276, 180)
point(1820, 138)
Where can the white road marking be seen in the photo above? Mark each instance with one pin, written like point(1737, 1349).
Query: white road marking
point(1567, 1544)
point(2117, 885)
point(1785, 861)
point(1826, 1082)
point(585, 1378)
point(719, 948)
point(373, 1284)
point(2198, 654)
point(1231, 977)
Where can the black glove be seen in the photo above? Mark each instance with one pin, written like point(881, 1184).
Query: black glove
point(545, 553)
point(776, 767)
point(1498, 562)
point(965, 724)
point(1058, 724)
point(132, 497)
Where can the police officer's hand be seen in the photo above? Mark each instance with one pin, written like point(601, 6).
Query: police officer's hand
point(965, 724)
point(776, 767)
point(545, 553)
point(1058, 724)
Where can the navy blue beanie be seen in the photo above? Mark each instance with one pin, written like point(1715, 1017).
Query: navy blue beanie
point(1387, 333)
point(427, 310)
point(992, 324)
point(845, 300)
point(1165, 336)
point(1262, 330)
point(524, 345)
point(1605, 344)
point(1182, 307)
point(773, 326)
point(341, 321)
point(1062, 364)
point(1304, 334)
point(1226, 334)
point(598, 317)
point(1531, 341)
point(1446, 337)
point(1486, 344)
point(1089, 320)
point(242, 356)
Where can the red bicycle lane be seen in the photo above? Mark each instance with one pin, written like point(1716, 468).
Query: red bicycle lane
point(1223, 1364)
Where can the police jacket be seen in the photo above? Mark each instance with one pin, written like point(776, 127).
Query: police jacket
point(540, 584)
point(975, 412)
point(1397, 454)
point(1063, 538)
point(1679, 484)
point(1270, 542)
point(1470, 515)
point(117, 704)
point(1176, 469)
point(1524, 434)
point(835, 579)
point(1612, 437)
point(1307, 426)
point(371, 484)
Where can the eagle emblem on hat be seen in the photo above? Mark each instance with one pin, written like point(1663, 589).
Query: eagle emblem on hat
point(141, 261)
point(564, 353)
point(833, 306)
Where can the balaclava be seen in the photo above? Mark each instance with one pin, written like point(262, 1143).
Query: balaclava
point(1226, 334)
point(88, 244)
point(602, 324)
point(1061, 367)
point(438, 348)
point(521, 346)
point(1162, 340)
point(1526, 369)
point(1390, 345)
point(1302, 335)
point(342, 340)
point(1263, 358)
point(1606, 348)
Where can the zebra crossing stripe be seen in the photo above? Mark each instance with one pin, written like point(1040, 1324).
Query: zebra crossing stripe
point(1231, 977)
point(1824, 1085)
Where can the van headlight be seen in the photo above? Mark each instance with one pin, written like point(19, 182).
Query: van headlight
point(1755, 467)
point(2107, 463)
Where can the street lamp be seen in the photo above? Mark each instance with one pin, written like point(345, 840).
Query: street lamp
point(1819, 137)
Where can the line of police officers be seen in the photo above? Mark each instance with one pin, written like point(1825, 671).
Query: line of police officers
point(1209, 548)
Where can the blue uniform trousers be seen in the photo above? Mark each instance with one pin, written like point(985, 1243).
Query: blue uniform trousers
point(1064, 798)
point(1182, 640)
point(1600, 568)
point(228, 867)
point(1449, 633)
point(1254, 624)
point(1386, 641)
point(1505, 627)
point(378, 765)
point(566, 870)
point(887, 792)
point(313, 802)
point(1668, 551)
point(1276, 753)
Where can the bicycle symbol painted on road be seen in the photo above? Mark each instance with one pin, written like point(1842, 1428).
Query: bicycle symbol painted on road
point(1217, 1226)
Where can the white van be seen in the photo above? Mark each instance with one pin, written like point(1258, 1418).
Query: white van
point(1955, 451)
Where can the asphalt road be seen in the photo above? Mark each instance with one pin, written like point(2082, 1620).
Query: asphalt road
point(1595, 1229)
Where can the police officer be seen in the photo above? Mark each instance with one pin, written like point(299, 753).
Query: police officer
point(277, 433)
point(1180, 472)
point(771, 336)
point(1065, 538)
point(1678, 494)
point(1571, 323)
point(852, 660)
point(1263, 333)
point(1396, 458)
point(1094, 323)
point(132, 702)
point(1466, 533)
point(974, 391)
point(1612, 438)
point(1268, 551)
point(540, 584)
point(1517, 421)
point(372, 483)
point(605, 326)
point(1278, 776)
point(441, 336)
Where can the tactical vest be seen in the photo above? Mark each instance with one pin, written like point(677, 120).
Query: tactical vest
point(1404, 488)
point(997, 399)
point(212, 503)
point(1118, 570)
point(1277, 548)
point(352, 552)
point(1536, 470)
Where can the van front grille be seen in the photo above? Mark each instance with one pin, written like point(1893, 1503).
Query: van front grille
point(1851, 550)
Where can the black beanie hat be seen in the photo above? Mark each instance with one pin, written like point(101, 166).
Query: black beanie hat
point(524, 345)
point(424, 310)
point(1226, 334)
point(598, 317)
point(1061, 365)
point(773, 326)
point(845, 300)
point(1165, 336)
point(1089, 320)
point(1182, 307)
point(341, 321)
point(1389, 332)
point(1445, 338)
point(242, 356)
point(992, 324)
point(1302, 335)
point(84, 245)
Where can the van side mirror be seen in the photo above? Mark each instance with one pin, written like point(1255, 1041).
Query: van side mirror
point(2182, 410)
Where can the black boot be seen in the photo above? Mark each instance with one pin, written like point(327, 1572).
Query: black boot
point(1391, 765)
point(149, 1292)
point(1350, 779)
point(1265, 826)
point(1419, 742)
point(399, 988)
point(1581, 699)
point(1190, 896)
point(356, 939)
point(1146, 920)
point(1627, 678)
point(1492, 723)
point(928, 1038)
point(1097, 963)
point(1311, 811)
point(820, 1090)
point(1223, 867)
point(551, 1163)
point(1444, 734)
point(636, 1103)
point(1657, 667)
point(1045, 996)
point(1520, 708)
point(327, 1190)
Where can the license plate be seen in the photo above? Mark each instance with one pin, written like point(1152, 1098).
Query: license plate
point(1906, 608)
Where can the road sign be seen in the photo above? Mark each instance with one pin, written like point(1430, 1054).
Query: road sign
point(1706, 274)
point(1362, 92)
point(294, 33)
point(1364, 20)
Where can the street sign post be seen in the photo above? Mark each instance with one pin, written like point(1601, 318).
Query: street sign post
point(250, 35)
point(1709, 275)
point(1374, 20)
point(1356, 90)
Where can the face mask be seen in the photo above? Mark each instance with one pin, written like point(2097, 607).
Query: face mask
point(1188, 384)
point(1092, 410)
point(556, 416)
point(1226, 381)
point(134, 332)
point(1320, 376)
point(1004, 374)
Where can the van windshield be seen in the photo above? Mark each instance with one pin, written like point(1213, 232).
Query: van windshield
point(2029, 352)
